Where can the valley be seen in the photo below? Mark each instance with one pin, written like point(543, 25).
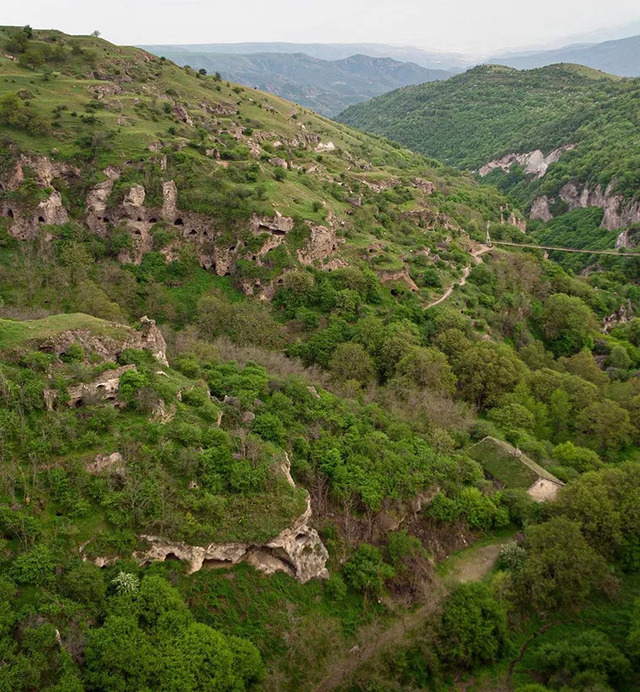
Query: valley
point(286, 405)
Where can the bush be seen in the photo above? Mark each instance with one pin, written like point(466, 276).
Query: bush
point(366, 572)
point(35, 568)
point(473, 627)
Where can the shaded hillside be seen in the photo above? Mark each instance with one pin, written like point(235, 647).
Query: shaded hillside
point(327, 87)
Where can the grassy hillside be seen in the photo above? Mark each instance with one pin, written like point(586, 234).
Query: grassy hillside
point(326, 86)
point(491, 111)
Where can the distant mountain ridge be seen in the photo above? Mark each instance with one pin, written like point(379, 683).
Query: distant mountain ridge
point(326, 86)
point(432, 60)
point(620, 57)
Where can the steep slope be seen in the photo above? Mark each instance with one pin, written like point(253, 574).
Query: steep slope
point(620, 57)
point(559, 137)
point(327, 87)
point(135, 148)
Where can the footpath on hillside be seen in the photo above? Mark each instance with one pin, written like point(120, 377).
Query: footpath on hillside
point(469, 565)
point(476, 255)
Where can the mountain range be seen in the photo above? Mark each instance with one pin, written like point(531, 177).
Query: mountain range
point(557, 137)
point(326, 86)
point(620, 57)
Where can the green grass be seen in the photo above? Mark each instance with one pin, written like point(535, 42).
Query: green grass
point(14, 333)
point(501, 464)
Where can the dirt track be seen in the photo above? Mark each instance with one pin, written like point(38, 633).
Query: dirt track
point(476, 254)
point(471, 565)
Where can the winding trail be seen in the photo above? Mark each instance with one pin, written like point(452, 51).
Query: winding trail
point(476, 255)
point(469, 566)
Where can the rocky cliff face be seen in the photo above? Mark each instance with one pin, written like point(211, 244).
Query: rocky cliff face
point(138, 218)
point(618, 210)
point(534, 162)
point(297, 551)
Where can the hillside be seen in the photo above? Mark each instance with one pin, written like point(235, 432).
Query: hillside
point(327, 87)
point(562, 136)
point(246, 355)
point(619, 57)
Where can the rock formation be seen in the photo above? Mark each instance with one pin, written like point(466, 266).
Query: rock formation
point(618, 210)
point(108, 347)
point(297, 550)
point(104, 387)
point(533, 162)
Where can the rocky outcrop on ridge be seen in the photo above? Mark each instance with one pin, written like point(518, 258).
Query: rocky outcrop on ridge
point(534, 162)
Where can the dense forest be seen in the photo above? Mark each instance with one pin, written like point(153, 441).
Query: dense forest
point(241, 445)
point(490, 111)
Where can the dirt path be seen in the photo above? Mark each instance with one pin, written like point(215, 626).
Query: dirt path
point(471, 565)
point(476, 255)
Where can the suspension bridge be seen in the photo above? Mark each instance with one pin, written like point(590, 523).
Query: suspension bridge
point(585, 251)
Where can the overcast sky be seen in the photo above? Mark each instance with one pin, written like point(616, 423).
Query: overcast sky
point(470, 26)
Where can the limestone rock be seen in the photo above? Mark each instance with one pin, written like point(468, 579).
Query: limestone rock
point(104, 387)
point(322, 243)
point(181, 113)
point(533, 162)
point(277, 224)
point(297, 550)
point(135, 196)
point(169, 200)
point(540, 210)
point(281, 163)
point(425, 185)
point(329, 146)
point(105, 462)
point(402, 276)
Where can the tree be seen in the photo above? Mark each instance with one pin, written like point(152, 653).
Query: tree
point(561, 570)
point(427, 368)
point(351, 362)
point(578, 458)
point(202, 71)
point(486, 372)
point(473, 627)
point(567, 323)
point(584, 365)
point(95, 34)
point(605, 426)
point(588, 658)
point(119, 656)
point(365, 571)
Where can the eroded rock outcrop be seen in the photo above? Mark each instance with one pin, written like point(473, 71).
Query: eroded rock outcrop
point(103, 388)
point(297, 550)
point(621, 316)
point(278, 224)
point(109, 347)
point(105, 462)
point(533, 162)
point(322, 244)
point(401, 276)
point(540, 210)
point(618, 210)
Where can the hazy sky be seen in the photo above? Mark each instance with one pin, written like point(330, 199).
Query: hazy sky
point(478, 26)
